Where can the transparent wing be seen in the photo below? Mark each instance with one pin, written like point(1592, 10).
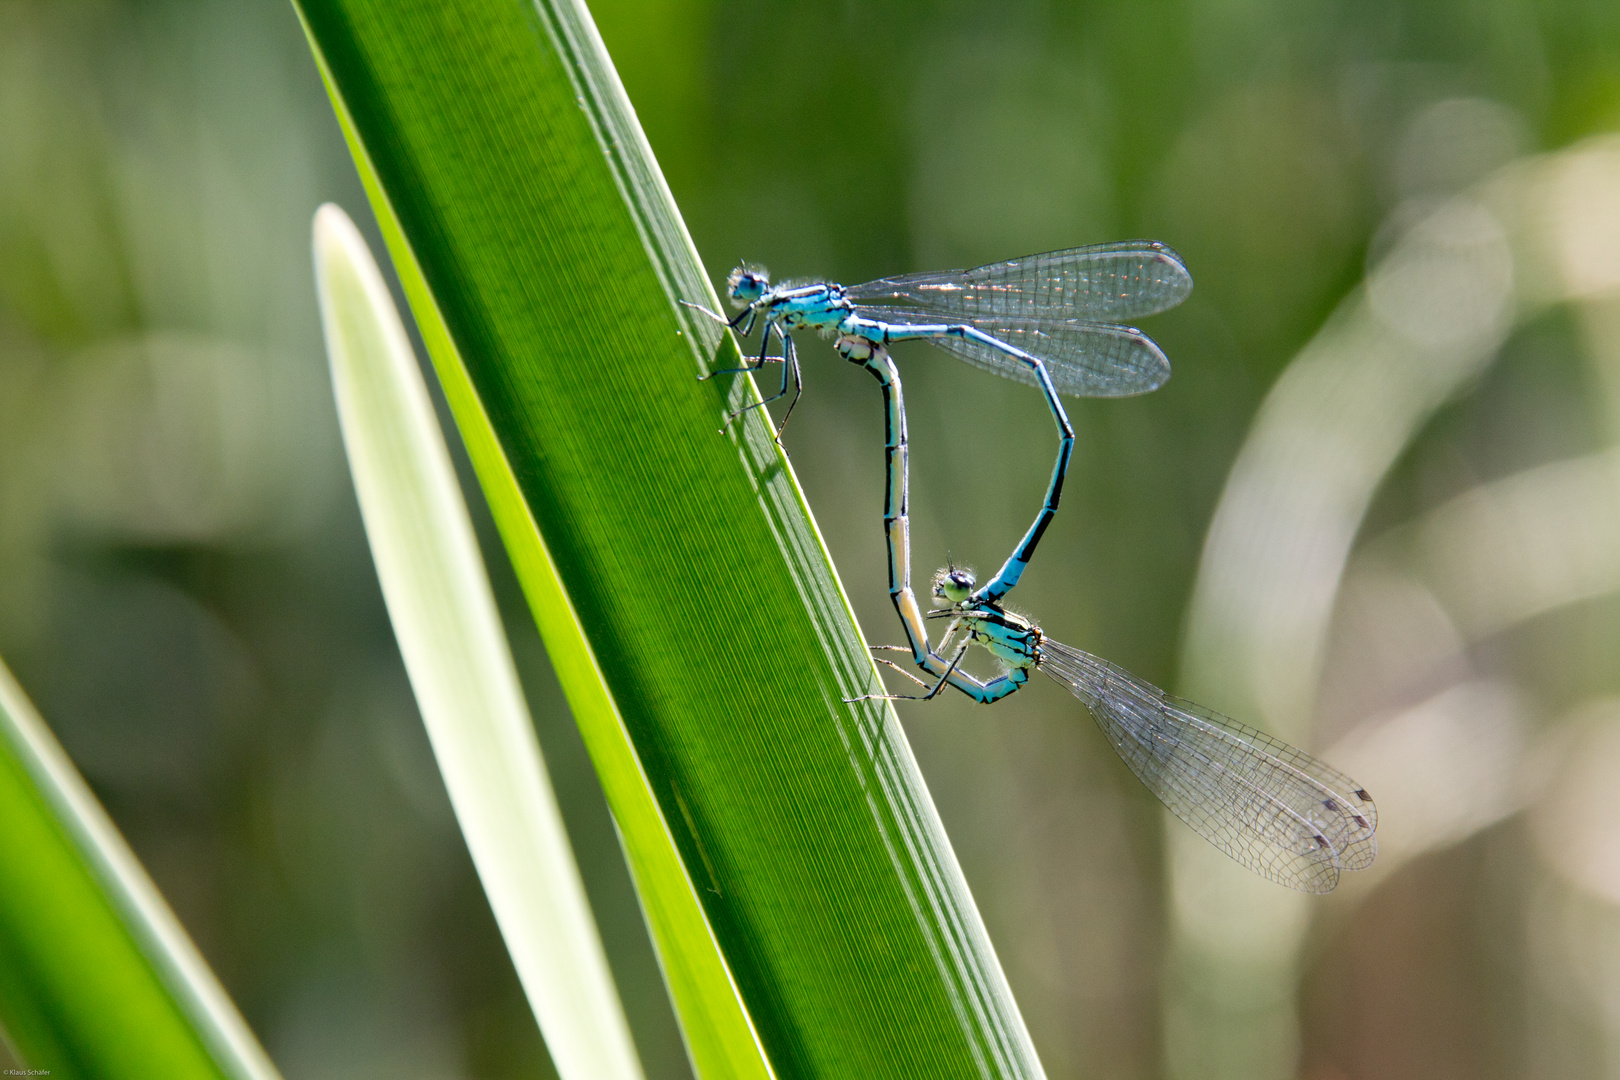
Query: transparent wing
point(1272, 807)
point(1085, 359)
point(1102, 282)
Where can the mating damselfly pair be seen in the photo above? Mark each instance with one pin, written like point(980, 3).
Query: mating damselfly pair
point(1051, 320)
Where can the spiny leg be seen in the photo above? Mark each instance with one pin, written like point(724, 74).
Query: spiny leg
point(790, 357)
point(789, 361)
point(719, 318)
point(750, 365)
point(937, 687)
point(945, 678)
point(885, 661)
point(890, 663)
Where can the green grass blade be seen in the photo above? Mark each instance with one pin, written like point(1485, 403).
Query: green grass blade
point(97, 977)
point(461, 668)
point(684, 594)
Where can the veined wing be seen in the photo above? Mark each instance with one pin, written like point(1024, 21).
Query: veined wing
point(1085, 359)
point(1102, 282)
point(1270, 806)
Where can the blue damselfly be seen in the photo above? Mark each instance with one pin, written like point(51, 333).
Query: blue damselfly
point(1051, 320)
point(1270, 806)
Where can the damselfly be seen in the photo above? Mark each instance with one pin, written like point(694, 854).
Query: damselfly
point(1270, 806)
point(1051, 320)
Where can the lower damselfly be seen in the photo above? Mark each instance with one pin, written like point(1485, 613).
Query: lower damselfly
point(1270, 806)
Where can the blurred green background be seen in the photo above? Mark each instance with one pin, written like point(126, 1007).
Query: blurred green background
point(1416, 570)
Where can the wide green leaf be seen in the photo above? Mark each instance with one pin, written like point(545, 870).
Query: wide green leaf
point(97, 977)
point(686, 598)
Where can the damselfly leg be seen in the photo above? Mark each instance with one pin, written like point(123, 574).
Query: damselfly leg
point(789, 361)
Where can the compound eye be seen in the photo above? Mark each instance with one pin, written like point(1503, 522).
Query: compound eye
point(746, 286)
point(954, 585)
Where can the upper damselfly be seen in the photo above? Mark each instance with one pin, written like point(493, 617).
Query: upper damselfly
point(1061, 310)
point(1052, 320)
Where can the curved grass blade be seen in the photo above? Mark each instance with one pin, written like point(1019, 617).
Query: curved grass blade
point(97, 977)
point(461, 669)
point(686, 598)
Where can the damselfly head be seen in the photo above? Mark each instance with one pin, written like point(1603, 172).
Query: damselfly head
point(747, 284)
point(954, 584)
